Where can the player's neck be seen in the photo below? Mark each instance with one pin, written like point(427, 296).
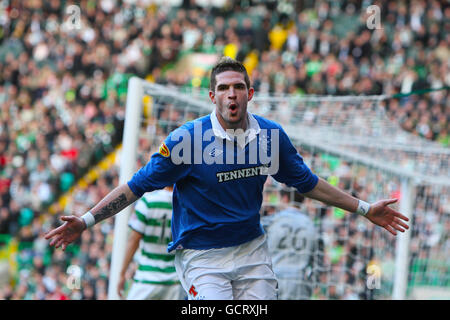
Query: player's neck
point(243, 124)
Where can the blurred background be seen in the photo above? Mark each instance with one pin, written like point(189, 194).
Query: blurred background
point(64, 71)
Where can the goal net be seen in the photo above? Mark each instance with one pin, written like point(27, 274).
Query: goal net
point(354, 145)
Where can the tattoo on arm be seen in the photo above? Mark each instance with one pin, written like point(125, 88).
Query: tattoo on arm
point(111, 208)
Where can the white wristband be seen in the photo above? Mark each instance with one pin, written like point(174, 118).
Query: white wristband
point(88, 219)
point(363, 207)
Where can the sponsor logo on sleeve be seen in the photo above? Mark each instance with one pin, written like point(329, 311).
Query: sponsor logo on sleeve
point(164, 151)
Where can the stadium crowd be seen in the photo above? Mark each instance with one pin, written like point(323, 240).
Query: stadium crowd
point(62, 97)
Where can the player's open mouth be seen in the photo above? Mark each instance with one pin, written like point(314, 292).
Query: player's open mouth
point(232, 107)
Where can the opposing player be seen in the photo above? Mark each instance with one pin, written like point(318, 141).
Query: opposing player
point(219, 164)
point(150, 223)
point(292, 239)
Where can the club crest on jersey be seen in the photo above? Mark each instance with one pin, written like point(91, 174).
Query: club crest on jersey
point(164, 151)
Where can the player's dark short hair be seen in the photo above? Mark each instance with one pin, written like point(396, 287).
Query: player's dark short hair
point(227, 64)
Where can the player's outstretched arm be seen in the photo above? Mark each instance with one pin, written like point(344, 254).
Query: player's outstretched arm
point(73, 226)
point(379, 213)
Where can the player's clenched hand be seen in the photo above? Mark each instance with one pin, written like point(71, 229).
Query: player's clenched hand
point(384, 216)
point(68, 232)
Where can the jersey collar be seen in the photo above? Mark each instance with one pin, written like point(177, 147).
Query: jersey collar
point(252, 130)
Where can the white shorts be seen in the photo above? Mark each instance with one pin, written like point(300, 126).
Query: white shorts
point(144, 291)
point(242, 272)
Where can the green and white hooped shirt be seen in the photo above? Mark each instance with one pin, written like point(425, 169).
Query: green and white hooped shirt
point(152, 218)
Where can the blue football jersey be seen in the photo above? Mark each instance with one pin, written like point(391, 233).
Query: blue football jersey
point(219, 177)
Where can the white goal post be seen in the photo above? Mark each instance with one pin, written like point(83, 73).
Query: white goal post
point(133, 114)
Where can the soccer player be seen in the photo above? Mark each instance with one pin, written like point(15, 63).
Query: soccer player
point(292, 240)
point(155, 277)
point(218, 164)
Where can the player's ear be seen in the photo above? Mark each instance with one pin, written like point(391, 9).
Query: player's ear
point(251, 92)
point(212, 96)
